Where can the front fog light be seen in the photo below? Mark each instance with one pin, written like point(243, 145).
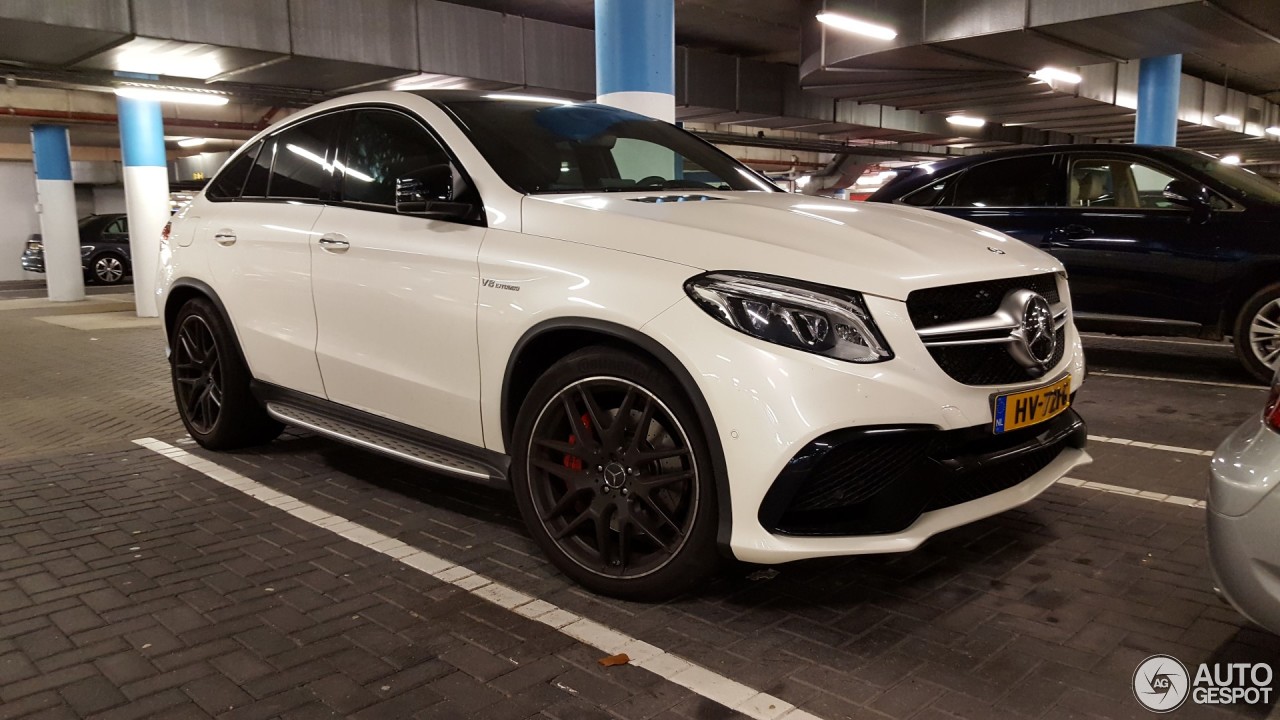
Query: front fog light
point(815, 318)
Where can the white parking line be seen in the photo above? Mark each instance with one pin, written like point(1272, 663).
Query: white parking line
point(1150, 446)
point(704, 682)
point(1133, 492)
point(1107, 373)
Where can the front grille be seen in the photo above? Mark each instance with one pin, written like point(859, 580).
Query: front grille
point(989, 364)
point(950, 303)
point(879, 480)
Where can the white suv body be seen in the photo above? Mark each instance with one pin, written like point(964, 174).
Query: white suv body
point(445, 324)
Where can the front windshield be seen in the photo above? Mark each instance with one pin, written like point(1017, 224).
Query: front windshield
point(551, 147)
point(1251, 185)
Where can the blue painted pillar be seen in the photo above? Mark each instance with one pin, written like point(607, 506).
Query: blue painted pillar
point(1159, 80)
point(636, 56)
point(146, 193)
point(56, 201)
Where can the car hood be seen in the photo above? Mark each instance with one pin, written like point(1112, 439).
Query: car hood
point(885, 250)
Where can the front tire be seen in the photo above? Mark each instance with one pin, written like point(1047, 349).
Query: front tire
point(1257, 334)
point(211, 382)
point(612, 475)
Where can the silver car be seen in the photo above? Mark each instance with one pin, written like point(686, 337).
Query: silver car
point(1244, 516)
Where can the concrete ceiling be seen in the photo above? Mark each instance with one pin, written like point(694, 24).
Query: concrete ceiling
point(732, 64)
point(759, 29)
point(973, 57)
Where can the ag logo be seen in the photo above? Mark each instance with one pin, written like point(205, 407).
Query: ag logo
point(1161, 683)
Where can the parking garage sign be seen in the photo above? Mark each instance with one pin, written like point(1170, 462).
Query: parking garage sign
point(1162, 684)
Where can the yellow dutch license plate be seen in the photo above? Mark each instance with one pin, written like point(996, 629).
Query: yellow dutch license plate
point(1020, 409)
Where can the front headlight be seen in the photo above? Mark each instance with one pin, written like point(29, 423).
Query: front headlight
point(85, 250)
point(814, 318)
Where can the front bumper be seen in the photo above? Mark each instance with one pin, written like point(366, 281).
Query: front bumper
point(879, 481)
point(1243, 512)
point(770, 403)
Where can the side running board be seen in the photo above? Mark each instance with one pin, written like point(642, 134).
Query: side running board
point(380, 435)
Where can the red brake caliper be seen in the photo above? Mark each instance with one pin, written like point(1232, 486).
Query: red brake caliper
point(573, 462)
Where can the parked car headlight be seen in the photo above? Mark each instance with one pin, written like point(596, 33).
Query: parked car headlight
point(815, 318)
point(85, 250)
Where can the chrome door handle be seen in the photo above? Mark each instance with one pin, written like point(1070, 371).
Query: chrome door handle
point(334, 243)
point(1059, 236)
point(225, 237)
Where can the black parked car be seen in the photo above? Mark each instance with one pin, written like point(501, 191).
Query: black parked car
point(104, 250)
point(1157, 240)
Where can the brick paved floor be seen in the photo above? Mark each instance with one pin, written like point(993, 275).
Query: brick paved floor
point(131, 586)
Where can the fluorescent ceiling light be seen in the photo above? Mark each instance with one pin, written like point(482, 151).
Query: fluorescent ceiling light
point(1231, 159)
point(861, 27)
point(192, 142)
point(1273, 130)
point(1227, 119)
point(171, 96)
point(966, 121)
point(529, 98)
point(1049, 74)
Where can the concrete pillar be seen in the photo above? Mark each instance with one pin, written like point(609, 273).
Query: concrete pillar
point(146, 193)
point(1159, 81)
point(56, 203)
point(636, 56)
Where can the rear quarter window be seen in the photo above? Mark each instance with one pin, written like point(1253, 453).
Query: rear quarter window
point(230, 180)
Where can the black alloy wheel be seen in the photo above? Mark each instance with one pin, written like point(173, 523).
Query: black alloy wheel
point(197, 374)
point(211, 383)
point(613, 478)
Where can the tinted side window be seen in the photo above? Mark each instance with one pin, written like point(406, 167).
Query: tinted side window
point(384, 146)
point(1118, 183)
point(303, 164)
point(1015, 182)
point(115, 227)
point(231, 179)
point(934, 193)
point(256, 184)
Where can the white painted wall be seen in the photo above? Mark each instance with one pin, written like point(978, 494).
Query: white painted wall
point(17, 217)
point(108, 199)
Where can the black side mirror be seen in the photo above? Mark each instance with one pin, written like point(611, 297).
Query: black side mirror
point(429, 193)
point(1187, 194)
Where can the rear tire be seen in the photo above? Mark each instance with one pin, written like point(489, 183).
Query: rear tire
point(613, 476)
point(211, 382)
point(1257, 334)
point(108, 269)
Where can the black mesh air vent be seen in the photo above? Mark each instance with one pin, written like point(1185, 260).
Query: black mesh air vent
point(936, 306)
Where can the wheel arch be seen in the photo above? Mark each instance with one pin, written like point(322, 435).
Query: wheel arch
point(183, 290)
point(547, 342)
point(109, 252)
point(1252, 280)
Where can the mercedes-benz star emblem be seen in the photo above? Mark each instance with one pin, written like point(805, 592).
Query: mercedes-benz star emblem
point(1035, 339)
point(615, 475)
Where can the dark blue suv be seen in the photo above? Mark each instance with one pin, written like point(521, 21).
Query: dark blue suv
point(1157, 240)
